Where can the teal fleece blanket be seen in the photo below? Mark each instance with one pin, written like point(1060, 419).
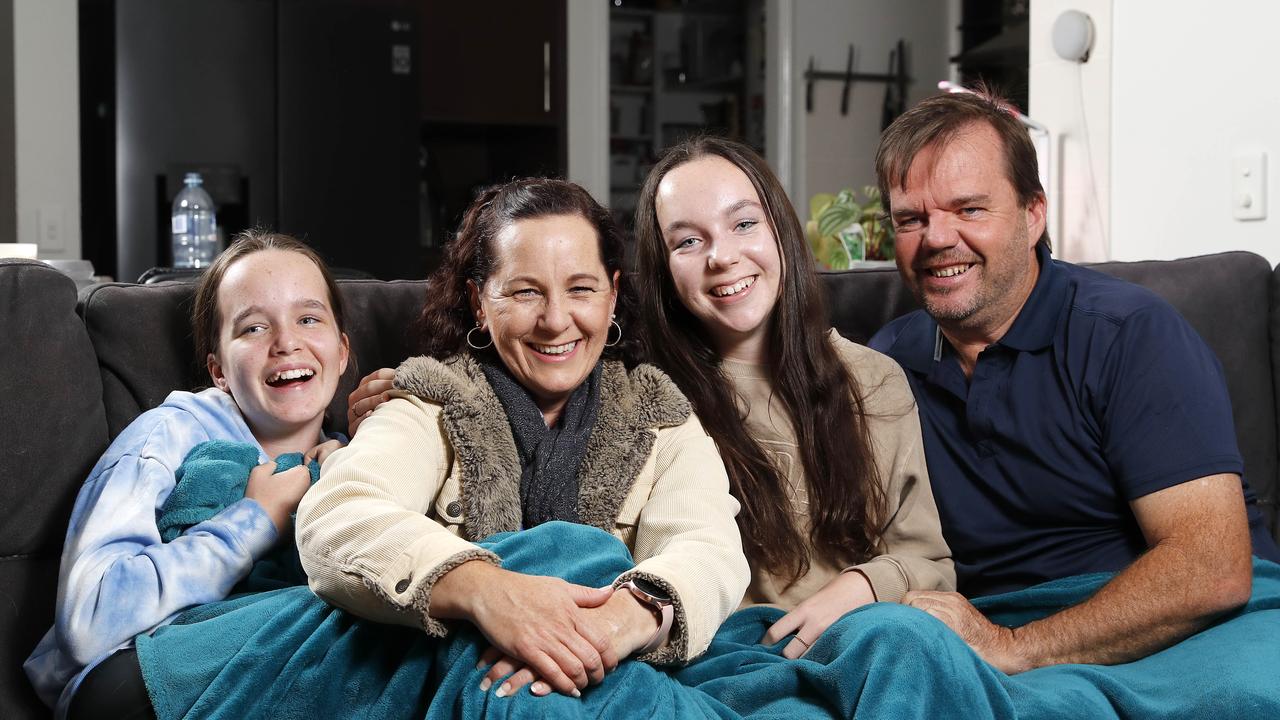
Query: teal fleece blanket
point(214, 475)
point(286, 654)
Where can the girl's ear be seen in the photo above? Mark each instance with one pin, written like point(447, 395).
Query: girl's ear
point(346, 353)
point(215, 373)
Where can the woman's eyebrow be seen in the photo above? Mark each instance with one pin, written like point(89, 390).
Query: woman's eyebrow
point(743, 203)
point(529, 279)
point(734, 208)
point(680, 225)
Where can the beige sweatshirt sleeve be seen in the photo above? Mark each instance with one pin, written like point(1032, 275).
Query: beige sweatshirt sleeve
point(364, 535)
point(916, 556)
point(687, 540)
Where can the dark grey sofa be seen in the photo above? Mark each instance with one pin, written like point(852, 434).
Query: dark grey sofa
point(75, 371)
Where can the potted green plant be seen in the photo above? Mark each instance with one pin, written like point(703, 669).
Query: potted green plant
point(843, 231)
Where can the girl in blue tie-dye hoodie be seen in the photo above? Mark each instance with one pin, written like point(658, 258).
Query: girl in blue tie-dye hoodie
point(268, 325)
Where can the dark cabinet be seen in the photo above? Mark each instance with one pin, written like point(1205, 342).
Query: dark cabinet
point(301, 115)
point(493, 63)
point(995, 47)
point(347, 138)
point(493, 79)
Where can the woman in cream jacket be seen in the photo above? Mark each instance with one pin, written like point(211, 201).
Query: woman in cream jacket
point(515, 421)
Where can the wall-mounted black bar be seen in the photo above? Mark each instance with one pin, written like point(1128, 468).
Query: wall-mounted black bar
point(897, 59)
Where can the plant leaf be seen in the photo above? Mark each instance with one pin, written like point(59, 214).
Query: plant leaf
point(820, 202)
point(838, 217)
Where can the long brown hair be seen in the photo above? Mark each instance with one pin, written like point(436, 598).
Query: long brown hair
point(824, 401)
point(446, 318)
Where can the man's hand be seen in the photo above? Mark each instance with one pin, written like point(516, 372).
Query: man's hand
point(373, 390)
point(278, 493)
point(994, 643)
point(846, 592)
point(1198, 567)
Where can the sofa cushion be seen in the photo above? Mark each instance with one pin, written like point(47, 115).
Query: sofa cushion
point(52, 431)
point(1227, 297)
point(1274, 306)
point(863, 301)
point(382, 338)
point(142, 334)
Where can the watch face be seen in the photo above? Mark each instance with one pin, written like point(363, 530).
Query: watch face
point(651, 589)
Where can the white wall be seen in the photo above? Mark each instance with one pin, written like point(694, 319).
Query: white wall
point(817, 152)
point(588, 96)
point(782, 90)
point(1075, 101)
point(8, 187)
point(46, 126)
point(1188, 90)
point(835, 151)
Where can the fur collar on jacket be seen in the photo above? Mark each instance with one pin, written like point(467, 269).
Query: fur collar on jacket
point(632, 404)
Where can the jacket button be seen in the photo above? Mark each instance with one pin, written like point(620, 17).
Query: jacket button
point(402, 585)
point(453, 509)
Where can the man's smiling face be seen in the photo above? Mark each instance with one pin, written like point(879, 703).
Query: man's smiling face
point(965, 245)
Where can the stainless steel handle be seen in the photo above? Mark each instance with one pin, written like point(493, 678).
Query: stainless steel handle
point(546, 76)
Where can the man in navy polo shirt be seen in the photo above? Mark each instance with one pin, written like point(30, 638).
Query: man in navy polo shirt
point(1073, 422)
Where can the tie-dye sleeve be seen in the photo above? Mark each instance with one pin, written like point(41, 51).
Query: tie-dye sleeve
point(119, 579)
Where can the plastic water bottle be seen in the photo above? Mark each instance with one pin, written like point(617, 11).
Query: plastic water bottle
point(195, 229)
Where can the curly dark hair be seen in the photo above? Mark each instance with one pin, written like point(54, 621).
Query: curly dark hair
point(446, 318)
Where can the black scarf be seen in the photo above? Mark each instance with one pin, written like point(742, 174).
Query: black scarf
point(549, 457)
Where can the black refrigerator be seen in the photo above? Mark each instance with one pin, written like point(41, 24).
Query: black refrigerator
point(301, 115)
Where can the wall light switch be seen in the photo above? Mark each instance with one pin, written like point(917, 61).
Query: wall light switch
point(49, 224)
point(1249, 186)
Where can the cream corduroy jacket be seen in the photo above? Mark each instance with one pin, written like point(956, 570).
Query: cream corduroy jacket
point(436, 468)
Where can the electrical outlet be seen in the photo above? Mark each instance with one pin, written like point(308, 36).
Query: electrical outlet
point(49, 225)
point(1249, 186)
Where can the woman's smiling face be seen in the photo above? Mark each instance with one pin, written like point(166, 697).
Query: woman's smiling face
point(547, 305)
point(722, 252)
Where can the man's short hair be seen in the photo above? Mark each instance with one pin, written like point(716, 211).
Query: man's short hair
point(937, 120)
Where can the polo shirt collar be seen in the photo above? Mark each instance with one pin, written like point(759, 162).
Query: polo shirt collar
point(1037, 322)
point(916, 345)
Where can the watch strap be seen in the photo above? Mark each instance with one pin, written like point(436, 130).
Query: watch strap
point(662, 609)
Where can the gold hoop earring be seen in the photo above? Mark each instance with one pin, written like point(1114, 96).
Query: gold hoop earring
point(474, 346)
